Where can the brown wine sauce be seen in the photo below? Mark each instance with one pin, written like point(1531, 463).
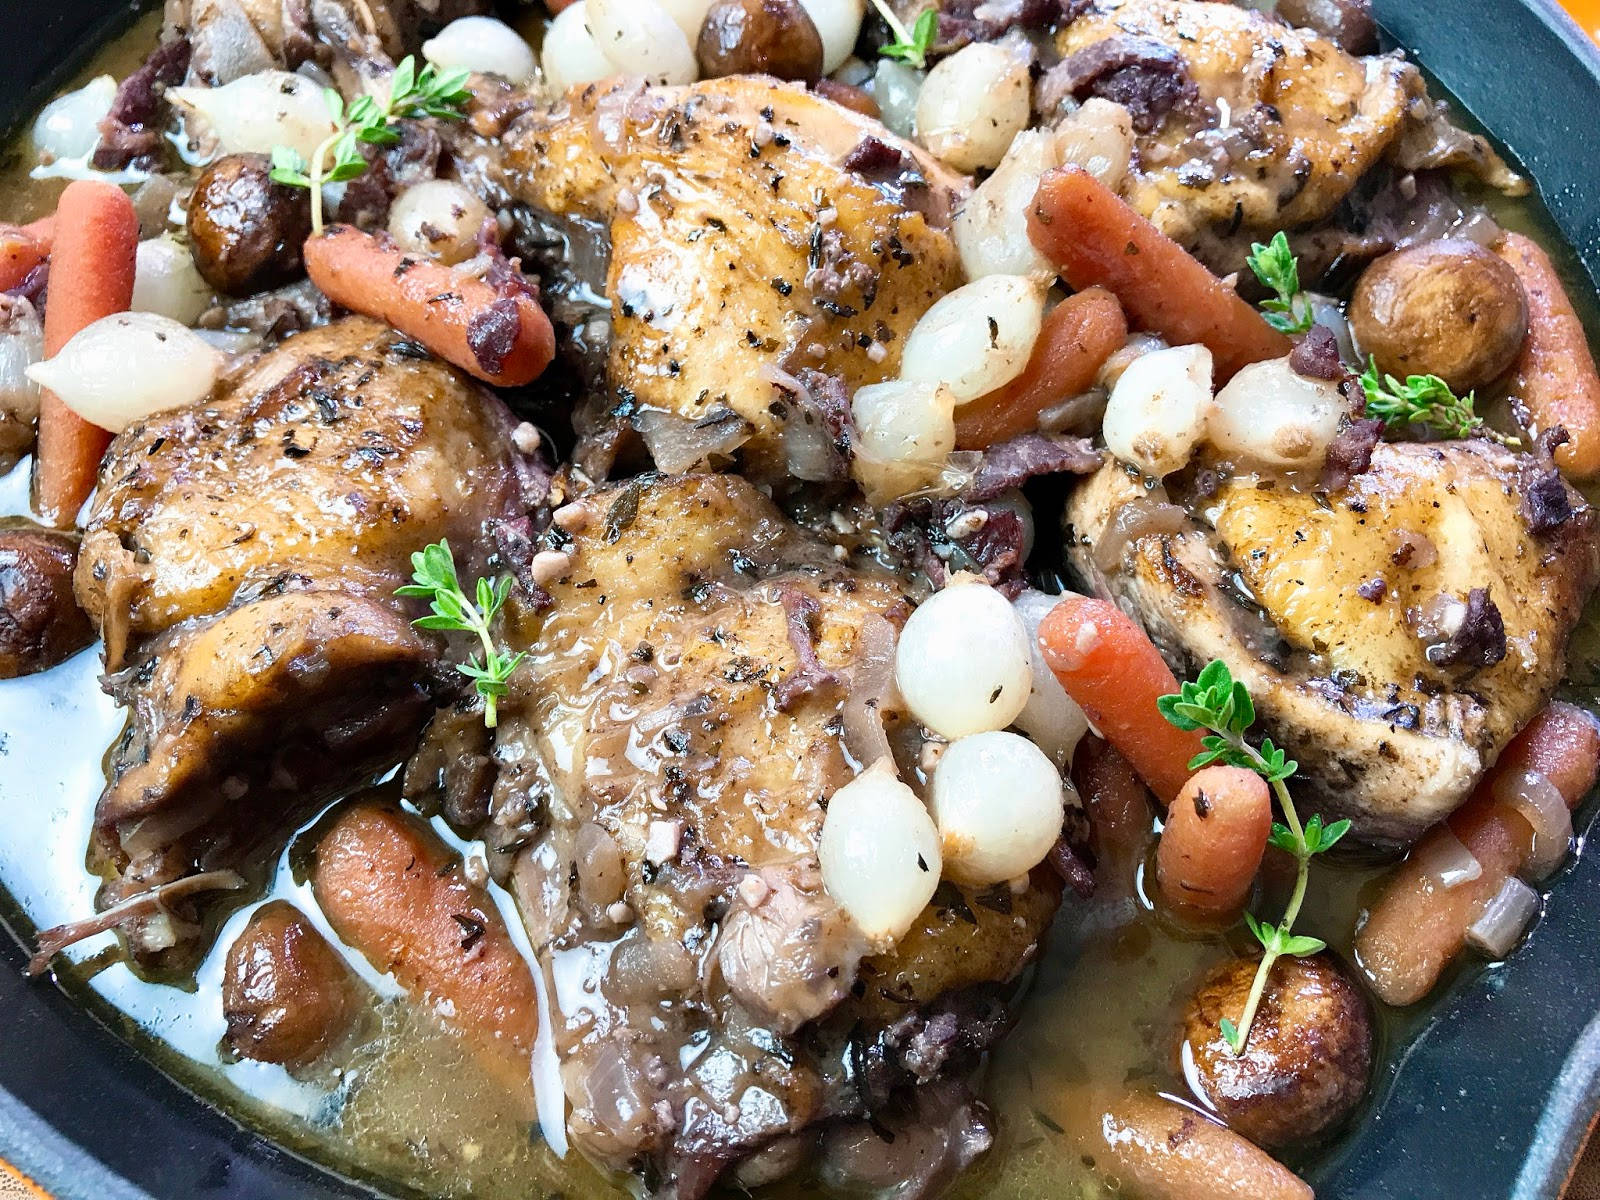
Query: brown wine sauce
point(412, 1108)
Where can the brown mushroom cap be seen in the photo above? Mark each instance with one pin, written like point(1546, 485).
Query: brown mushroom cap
point(40, 621)
point(1448, 308)
point(245, 231)
point(762, 37)
point(1306, 1063)
point(286, 993)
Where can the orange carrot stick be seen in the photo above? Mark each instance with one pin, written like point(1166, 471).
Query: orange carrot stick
point(1168, 1152)
point(1419, 924)
point(1115, 673)
point(501, 339)
point(1093, 237)
point(91, 276)
point(1211, 846)
point(1079, 334)
point(1555, 373)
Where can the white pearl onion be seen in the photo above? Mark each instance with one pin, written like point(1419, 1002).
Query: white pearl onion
point(640, 38)
point(998, 803)
point(963, 663)
point(972, 104)
point(880, 854)
point(438, 217)
point(976, 338)
point(1050, 717)
point(1157, 412)
point(256, 112)
point(688, 15)
point(991, 230)
point(483, 45)
point(166, 281)
point(895, 86)
point(68, 128)
point(1272, 416)
point(838, 24)
point(905, 430)
point(1099, 138)
point(124, 367)
point(570, 54)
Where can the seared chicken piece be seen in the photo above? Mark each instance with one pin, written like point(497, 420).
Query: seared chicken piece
point(244, 553)
point(679, 731)
point(1367, 624)
point(755, 227)
point(1271, 127)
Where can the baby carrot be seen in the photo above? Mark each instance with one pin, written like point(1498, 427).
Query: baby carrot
point(499, 336)
point(1115, 673)
point(1079, 334)
point(1094, 237)
point(1555, 373)
point(22, 248)
point(1168, 1152)
point(1211, 846)
point(91, 276)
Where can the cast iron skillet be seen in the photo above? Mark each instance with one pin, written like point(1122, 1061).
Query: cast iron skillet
point(1491, 1100)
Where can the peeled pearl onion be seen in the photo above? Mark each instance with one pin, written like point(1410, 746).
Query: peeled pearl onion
point(998, 803)
point(641, 38)
point(838, 24)
point(1099, 138)
point(895, 86)
point(991, 230)
point(905, 430)
point(972, 104)
point(879, 853)
point(68, 127)
point(1050, 717)
point(570, 55)
point(166, 281)
point(1157, 412)
point(963, 663)
point(1272, 416)
point(687, 15)
point(484, 45)
point(976, 338)
point(438, 217)
point(257, 112)
point(122, 368)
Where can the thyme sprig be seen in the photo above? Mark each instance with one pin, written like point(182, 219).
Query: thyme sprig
point(1425, 400)
point(1275, 265)
point(910, 46)
point(434, 570)
point(1216, 702)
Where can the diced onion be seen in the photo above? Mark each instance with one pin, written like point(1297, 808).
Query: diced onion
point(978, 337)
point(963, 662)
point(570, 55)
point(1050, 717)
point(122, 368)
point(1132, 520)
point(256, 112)
point(641, 38)
point(677, 443)
point(166, 281)
point(973, 103)
point(998, 803)
point(68, 128)
point(1444, 859)
point(838, 24)
point(439, 217)
point(1541, 802)
point(484, 45)
point(1157, 411)
point(1504, 919)
point(871, 683)
point(905, 430)
point(1270, 414)
point(880, 854)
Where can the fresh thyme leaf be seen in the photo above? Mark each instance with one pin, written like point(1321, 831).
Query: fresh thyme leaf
point(1299, 946)
point(1275, 265)
point(1424, 400)
point(1230, 1032)
point(434, 572)
point(910, 46)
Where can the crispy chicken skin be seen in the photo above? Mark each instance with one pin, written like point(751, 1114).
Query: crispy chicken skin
point(1284, 124)
point(684, 776)
point(1319, 604)
point(740, 240)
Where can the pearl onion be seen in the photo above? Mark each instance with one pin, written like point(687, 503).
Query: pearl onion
point(166, 281)
point(687, 15)
point(998, 803)
point(978, 337)
point(973, 104)
point(1271, 415)
point(439, 217)
point(963, 662)
point(1050, 717)
point(641, 38)
point(256, 112)
point(570, 55)
point(838, 23)
point(484, 45)
point(1099, 138)
point(124, 367)
point(1157, 412)
point(991, 230)
point(895, 86)
point(905, 430)
point(880, 854)
point(68, 128)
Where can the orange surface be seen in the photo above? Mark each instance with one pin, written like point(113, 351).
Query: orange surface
point(1587, 14)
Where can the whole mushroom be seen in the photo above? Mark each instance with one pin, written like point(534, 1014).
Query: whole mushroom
point(245, 231)
point(1448, 308)
point(761, 37)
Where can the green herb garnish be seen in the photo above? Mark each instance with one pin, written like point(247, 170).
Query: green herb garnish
point(910, 46)
point(434, 569)
point(1217, 702)
point(1277, 268)
point(1425, 400)
point(412, 94)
